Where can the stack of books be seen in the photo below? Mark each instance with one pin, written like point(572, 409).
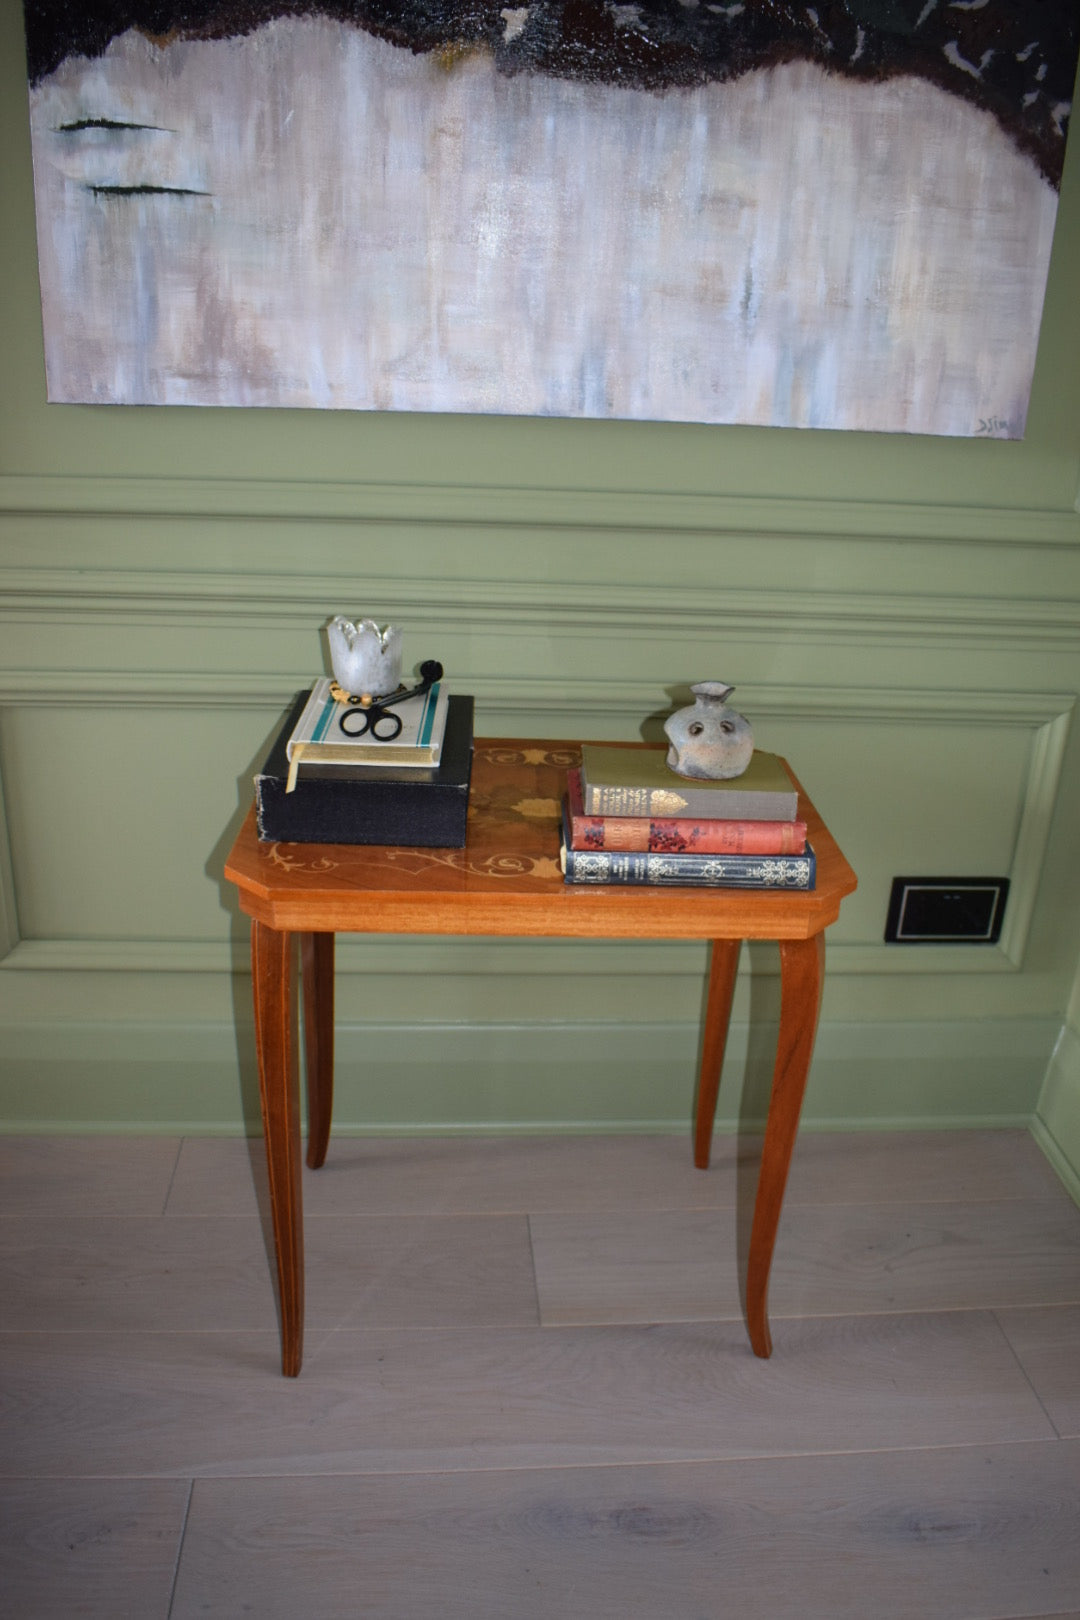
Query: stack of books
point(628, 818)
point(321, 784)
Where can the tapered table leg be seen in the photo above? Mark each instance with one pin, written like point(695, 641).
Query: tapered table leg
point(723, 965)
point(273, 969)
point(802, 976)
point(317, 977)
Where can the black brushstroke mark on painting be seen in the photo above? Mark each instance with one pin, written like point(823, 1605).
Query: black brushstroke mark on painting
point(1016, 59)
point(146, 191)
point(79, 124)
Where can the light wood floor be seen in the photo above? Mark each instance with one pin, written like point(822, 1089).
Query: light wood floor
point(527, 1390)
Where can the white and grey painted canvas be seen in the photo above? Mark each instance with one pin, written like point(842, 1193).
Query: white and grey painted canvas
point(831, 217)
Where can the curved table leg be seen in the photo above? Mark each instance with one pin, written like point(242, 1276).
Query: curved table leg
point(802, 976)
point(723, 965)
point(273, 971)
point(317, 977)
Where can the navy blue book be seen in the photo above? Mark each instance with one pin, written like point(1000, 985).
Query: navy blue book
point(374, 804)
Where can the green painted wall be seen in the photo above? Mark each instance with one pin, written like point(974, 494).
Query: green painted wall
point(901, 616)
point(1057, 1118)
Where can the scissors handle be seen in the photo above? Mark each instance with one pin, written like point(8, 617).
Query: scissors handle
point(375, 717)
point(383, 724)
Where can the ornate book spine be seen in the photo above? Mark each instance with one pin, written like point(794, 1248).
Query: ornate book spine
point(691, 871)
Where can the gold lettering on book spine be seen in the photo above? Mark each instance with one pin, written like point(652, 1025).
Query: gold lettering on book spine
point(636, 801)
point(627, 832)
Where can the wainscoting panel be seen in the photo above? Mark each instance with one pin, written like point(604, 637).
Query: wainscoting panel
point(133, 721)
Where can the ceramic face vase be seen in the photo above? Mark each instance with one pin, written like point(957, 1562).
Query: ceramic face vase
point(708, 740)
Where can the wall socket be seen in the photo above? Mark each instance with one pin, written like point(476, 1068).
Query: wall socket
point(946, 910)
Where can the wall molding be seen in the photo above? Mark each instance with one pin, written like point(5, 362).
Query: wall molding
point(204, 597)
point(1040, 798)
point(544, 695)
point(271, 500)
point(9, 916)
point(1056, 1125)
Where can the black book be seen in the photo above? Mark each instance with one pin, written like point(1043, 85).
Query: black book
point(370, 804)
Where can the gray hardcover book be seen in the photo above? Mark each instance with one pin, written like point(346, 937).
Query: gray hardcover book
point(637, 782)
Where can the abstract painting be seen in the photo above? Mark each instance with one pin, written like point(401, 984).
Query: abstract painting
point(718, 211)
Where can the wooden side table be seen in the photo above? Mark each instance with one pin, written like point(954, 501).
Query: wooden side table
point(506, 881)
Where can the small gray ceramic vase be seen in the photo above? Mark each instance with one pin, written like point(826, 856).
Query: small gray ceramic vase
point(708, 740)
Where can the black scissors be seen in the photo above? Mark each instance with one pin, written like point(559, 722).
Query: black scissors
point(377, 718)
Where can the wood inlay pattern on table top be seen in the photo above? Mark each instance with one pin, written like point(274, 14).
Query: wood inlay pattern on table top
point(507, 879)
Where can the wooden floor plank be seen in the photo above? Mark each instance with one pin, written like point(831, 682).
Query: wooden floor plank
point(86, 1175)
point(101, 1548)
point(396, 1271)
point(412, 1175)
point(685, 1264)
point(868, 1167)
point(497, 1398)
point(942, 1535)
point(490, 1175)
point(1047, 1343)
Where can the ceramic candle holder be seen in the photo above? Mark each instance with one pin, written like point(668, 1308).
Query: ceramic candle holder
point(366, 660)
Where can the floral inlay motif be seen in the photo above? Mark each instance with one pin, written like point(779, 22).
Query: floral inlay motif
point(493, 866)
point(280, 855)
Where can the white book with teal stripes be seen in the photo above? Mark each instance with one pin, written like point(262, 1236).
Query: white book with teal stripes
point(369, 737)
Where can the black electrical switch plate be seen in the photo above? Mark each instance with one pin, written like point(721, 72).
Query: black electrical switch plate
point(946, 910)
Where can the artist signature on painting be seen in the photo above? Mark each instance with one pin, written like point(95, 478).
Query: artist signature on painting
point(994, 427)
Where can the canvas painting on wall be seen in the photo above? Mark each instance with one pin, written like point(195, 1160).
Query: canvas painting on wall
point(721, 211)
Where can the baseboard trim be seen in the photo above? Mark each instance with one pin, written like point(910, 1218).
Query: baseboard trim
point(554, 1127)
